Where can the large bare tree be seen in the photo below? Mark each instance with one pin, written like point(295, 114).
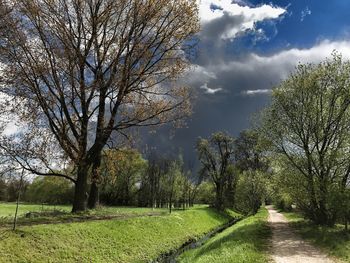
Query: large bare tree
point(85, 70)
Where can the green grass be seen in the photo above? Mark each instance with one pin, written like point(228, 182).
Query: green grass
point(57, 214)
point(246, 241)
point(138, 239)
point(333, 240)
point(8, 209)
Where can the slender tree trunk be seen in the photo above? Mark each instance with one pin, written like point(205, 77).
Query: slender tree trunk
point(346, 225)
point(80, 193)
point(17, 201)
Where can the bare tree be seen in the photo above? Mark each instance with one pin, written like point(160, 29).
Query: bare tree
point(87, 69)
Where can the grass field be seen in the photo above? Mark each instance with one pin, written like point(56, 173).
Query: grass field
point(246, 241)
point(138, 239)
point(8, 209)
point(61, 214)
point(335, 241)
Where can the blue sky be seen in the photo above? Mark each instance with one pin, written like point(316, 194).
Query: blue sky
point(307, 22)
point(246, 48)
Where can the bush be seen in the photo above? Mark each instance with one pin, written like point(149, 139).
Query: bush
point(51, 190)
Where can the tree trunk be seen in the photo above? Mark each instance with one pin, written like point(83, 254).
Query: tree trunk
point(219, 197)
point(80, 193)
point(95, 178)
point(93, 196)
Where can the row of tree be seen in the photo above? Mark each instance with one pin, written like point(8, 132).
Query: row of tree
point(128, 179)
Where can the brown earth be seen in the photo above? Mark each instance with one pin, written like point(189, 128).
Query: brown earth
point(287, 247)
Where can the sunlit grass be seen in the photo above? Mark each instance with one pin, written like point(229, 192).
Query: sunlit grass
point(139, 239)
point(245, 241)
point(8, 209)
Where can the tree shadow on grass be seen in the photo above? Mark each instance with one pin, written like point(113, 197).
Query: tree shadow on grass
point(333, 239)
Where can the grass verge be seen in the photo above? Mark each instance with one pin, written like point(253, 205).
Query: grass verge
point(134, 240)
point(333, 240)
point(246, 241)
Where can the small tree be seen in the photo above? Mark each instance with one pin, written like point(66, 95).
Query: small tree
point(18, 198)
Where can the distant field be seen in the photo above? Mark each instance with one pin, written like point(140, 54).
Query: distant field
point(8, 209)
point(61, 214)
point(137, 239)
point(246, 241)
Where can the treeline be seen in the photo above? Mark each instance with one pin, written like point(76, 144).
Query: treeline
point(48, 190)
point(127, 178)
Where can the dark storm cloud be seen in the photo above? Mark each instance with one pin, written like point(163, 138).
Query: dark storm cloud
point(244, 79)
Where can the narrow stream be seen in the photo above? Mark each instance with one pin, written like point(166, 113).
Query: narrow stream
point(171, 256)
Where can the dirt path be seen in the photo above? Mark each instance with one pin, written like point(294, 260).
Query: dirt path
point(287, 247)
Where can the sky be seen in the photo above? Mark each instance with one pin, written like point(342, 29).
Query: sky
point(246, 48)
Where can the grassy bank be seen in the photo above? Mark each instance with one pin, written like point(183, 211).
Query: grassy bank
point(333, 240)
point(245, 241)
point(134, 240)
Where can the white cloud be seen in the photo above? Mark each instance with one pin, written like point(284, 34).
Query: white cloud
point(226, 9)
point(210, 90)
point(256, 92)
point(264, 72)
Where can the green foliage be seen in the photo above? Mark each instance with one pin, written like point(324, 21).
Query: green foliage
point(135, 240)
point(51, 190)
point(206, 193)
point(9, 188)
point(308, 124)
point(121, 170)
point(216, 157)
point(246, 241)
point(250, 192)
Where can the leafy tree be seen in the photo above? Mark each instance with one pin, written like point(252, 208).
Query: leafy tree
point(206, 193)
point(77, 72)
point(308, 124)
point(252, 164)
point(216, 157)
point(250, 192)
point(51, 190)
point(121, 172)
point(250, 151)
